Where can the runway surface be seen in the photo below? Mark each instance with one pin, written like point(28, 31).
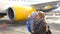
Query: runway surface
point(20, 28)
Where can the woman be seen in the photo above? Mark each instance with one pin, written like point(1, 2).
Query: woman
point(40, 25)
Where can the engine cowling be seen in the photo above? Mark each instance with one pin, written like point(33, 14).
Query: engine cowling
point(20, 12)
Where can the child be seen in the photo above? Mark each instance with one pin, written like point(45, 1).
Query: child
point(30, 21)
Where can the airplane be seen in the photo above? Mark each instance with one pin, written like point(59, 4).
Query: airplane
point(16, 12)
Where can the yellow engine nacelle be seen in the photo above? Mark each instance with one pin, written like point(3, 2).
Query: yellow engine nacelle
point(20, 12)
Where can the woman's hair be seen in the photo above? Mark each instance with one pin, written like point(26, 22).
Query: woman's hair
point(40, 13)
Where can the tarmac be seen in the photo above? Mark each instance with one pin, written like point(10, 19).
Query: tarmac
point(20, 28)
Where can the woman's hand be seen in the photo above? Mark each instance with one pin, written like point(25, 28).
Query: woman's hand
point(32, 31)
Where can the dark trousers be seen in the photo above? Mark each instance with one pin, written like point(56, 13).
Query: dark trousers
point(33, 33)
point(39, 33)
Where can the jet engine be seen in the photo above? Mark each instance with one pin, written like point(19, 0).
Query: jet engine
point(17, 13)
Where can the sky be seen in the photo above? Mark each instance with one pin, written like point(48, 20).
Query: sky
point(8, 3)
